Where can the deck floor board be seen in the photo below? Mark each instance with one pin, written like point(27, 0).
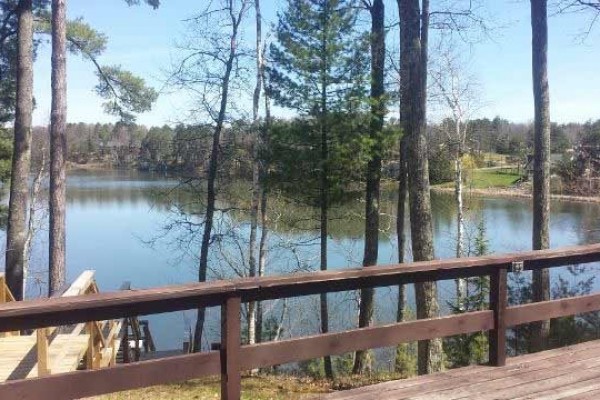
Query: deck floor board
point(571, 372)
point(18, 358)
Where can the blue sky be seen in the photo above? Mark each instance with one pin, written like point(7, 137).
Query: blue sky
point(143, 40)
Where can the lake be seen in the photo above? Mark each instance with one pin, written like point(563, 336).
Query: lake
point(117, 220)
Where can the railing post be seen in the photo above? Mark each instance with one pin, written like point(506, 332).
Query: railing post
point(498, 303)
point(42, 352)
point(231, 377)
point(2, 289)
point(91, 350)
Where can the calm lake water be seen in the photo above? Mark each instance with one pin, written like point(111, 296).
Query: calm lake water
point(116, 221)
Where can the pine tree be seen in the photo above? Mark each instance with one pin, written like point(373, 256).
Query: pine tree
point(317, 70)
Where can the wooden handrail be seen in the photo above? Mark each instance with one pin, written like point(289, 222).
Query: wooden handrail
point(111, 305)
point(233, 358)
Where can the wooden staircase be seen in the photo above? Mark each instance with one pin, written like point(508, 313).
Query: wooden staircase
point(55, 350)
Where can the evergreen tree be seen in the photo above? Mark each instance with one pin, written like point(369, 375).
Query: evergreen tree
point(317, 69)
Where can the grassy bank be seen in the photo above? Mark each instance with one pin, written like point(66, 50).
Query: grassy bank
point(263, 387)
point(492, 178)
point(255, 388)
point(488, 178)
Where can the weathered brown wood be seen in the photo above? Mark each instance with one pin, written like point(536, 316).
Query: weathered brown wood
point(531, 312)
point(103, 306)
point(40, 313)
point(554, 374)
point(234, 358)
point(231, 377)
point(80, 384)
point(498, 303)
point(273, 353)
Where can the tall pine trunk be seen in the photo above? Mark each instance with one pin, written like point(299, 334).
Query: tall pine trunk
point(324, 217)
point(58, 149)
point(372, 195)
point(430, 353)
point(324, 179)
point(541, 161)
point(19, 192)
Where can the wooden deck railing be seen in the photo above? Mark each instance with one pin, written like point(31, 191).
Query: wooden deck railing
point(233, 358)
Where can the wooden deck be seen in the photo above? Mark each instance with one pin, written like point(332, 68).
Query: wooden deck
point(567, 373)
point(18, 358)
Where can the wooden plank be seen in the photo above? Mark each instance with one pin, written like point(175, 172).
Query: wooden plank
point(83, 282)
point(64, 311)
point(90, 358)
point(231, 377)
point(34, 314)
point(498, 303)
point(2, 288)
point(591, 395)
point(75, 385)
point(274, 353)
point(578, 388)
point(469, 382)
point(64, 354)
point(532, 312)
point(524, 381)
point(43, 364)
point(554, 380)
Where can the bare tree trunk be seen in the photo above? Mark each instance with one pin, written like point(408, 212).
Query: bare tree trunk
point(402, 184)
point(262, 259)
point(429, 351)
point(402, 198)
point(21, 160)
point(254, 203)
point(58, 149)
point(212, 172)
point(461, 283)
point(541, 161)
point(31, 226)
point(264, 217)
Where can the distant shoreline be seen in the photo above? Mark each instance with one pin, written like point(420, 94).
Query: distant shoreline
point(517, 193)
point(95, 166)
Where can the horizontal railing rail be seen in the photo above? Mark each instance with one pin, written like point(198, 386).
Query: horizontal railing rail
point(233, 358)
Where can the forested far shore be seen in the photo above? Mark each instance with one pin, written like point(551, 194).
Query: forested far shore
point(492, 144)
